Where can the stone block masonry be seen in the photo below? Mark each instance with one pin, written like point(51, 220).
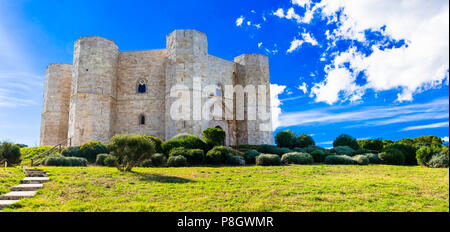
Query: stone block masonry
point(107, 92)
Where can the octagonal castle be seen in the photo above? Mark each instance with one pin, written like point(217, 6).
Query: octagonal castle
point(107, 92)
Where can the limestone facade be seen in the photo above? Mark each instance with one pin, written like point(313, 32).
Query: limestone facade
point(107, 92)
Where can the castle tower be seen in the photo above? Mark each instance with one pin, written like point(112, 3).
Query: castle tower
point(93, 92)
point(55, 106)
point(253, 69)
point(187, 57)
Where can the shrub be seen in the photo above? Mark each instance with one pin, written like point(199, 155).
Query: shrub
point(408, 151)
point(343, 150)
point(195, 156)
point(91, 149)
point(297, 158)
point(339, 159)
point(218, 155)
point(101, 159)
point(438, 161)
point(59, 160)
point(250, 156)
point(158, 159)
point(285, 139)
point(9, 153)
point(268, 159)
point(214, 136)
point(346, 140)
point(177, 161)
point(178, 151)
point(304, 140)
point(245, 147)
point(158, 142)
point(424, 154)
point(392, 156)
point(371, 144)
point(231, 159)
point(311, 148)
point(72, 152)
point(298, 149)
point(361, 159)
point(131, 150)
point(271, 149)
point(147, 163)
point(183, 140)
point(318, 156)
point(111, 161)
point(373, 158)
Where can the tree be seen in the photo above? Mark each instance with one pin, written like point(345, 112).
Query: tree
point(214, 136)
point(285, 139)
point(9, 153)
point(346, 140)
point(371, 144)
point(131, 150)
point(304, 140)
point(424, 154)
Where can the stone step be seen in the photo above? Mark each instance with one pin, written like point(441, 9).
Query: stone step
point(6, 203)
point(17, 195)
point(33, 170)
point(26, 187)
point(36, 174)
point(35, 180)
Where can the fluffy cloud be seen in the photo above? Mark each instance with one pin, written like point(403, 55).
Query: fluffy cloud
point(297, 43)
point(276, 90)
point(239, 21)
point(303, 87)
point(445, 139)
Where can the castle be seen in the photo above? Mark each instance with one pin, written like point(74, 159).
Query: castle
point(107, 92)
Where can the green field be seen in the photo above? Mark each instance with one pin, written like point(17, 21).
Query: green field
point(245, 188)
point(9, 177)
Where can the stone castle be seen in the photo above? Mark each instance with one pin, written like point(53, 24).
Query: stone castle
point(107, 92)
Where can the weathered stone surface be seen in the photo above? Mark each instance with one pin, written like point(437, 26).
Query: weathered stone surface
point(104, 98)
point(17, 195)
point(6, 203)
point(35, 180)
point(26, 187)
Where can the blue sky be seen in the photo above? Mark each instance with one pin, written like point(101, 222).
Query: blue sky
point(372, 69)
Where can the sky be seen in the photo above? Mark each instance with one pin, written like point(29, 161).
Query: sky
point(371, 69)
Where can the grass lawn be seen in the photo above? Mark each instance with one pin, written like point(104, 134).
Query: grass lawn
point(251, 188)
point(9, 177)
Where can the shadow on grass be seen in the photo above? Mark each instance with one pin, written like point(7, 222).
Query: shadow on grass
point(161, 178)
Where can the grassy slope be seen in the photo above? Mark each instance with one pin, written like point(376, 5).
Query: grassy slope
point(9, 177)
point(282, 188)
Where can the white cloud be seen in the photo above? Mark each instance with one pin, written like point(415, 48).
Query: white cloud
point(302, 3)
point(297, 43)
point(260, 44)
point(258, 26)
point(249, 23)
point(276, 90)
point(445, 139)
point(239, 21)
point(428, 126)
point(279, 13)
point(303, 87)
point(308, 38)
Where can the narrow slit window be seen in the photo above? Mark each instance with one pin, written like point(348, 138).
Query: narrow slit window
point(142, 120)
point(142, 88)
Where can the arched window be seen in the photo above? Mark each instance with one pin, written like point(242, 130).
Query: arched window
point(142, 88)
point(142, 120)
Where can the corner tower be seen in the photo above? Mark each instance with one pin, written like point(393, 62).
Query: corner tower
point(55, 106)
point(93, 92)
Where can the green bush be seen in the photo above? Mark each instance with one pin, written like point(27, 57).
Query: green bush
point(159, 159)
point(371, 144)
point(10, 153)
point(59, 160)
point(339, 159)
point(343, 150)
point(346, 140)
point(318, 156)
point(147, 163)
point(438, 161)
point(361, 159)
point(285, 139)
point(178, 151)
point(231, 159)
point(271, 149)
point(218, 155)
point(424, 154)
point(408, 151)
point(268, 160)
point(131, 150)
point(158, 142)
point(311, 148)
point(184, 140)
point(101, 159)
point(304, 140)
point(214, 136)
point(177, 161)
point(74, 151)
point(298, 149)
point(373, 158)
point(297, 158)
point(250, 156)
point(111, 161)
point(392, 156)
point(195, 156)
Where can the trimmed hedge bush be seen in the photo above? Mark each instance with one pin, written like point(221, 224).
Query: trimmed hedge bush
point(179, 151)
point(219, 155)
point(101, 159)
point(195, 156)
point(131, 150)
point(159, 159)
point(285, 139)
point(304, 140)
point(392, 156)
point(297, 158)
point(214, 136)
point(10, 153)
point(111, 161)
point(91, 149)
point(59, 160)
point(361, 159)
point(346, 140)
point(74, 151)
point(250, 156)
point(424, 154)
point(408, 151)
point(268, 160)
point(158, 143)
point(339, 159)
point(271, 149)
point(147, 163)
point(343, 150)
point(318, 156)
point(298, 149)
point(311, 148)
point(438, 161)
point(184, 140)
point(177, 161)
point(373, 158)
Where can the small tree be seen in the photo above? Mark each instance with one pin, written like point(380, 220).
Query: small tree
point(285, 139)
point(214, 136)
point(304, 140)
point(131, 150)
point(424, 154)
point(346, 140)
point(9, 153)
